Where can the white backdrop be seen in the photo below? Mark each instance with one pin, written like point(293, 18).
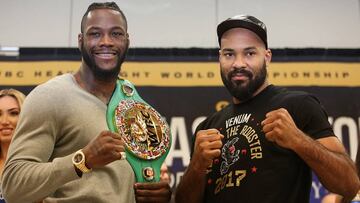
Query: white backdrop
point(185, 23)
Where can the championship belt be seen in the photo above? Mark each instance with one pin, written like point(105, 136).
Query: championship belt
point(145, 133)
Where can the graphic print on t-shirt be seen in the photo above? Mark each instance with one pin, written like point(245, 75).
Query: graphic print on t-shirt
point(239, 153)
point(229, 154)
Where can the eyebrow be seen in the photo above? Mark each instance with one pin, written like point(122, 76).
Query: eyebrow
point(16, 108)
point(227, 49)
point(99, 28)
point(250, 48)
point(245, 49)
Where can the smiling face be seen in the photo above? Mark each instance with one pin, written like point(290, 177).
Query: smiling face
point(9, 115)
point(243, 61)
point(104, 42)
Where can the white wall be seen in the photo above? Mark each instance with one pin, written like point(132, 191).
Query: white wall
point(185, 23)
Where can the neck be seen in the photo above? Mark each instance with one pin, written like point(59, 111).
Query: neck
point(102, 89)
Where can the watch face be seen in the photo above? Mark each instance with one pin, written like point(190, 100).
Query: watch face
point(78, 157)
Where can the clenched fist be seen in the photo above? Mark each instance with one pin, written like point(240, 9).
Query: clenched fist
point(103, 149)
point(207, 147)
point(279, 127)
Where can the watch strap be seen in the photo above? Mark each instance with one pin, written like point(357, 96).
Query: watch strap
point(81, 165)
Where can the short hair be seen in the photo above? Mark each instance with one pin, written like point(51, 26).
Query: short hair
point(103, 5)
point(17, 95)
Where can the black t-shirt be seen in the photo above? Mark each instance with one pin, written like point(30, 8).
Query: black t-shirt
point(252, 169)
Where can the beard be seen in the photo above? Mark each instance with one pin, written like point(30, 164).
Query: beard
point(99, 73)
point(241, 90)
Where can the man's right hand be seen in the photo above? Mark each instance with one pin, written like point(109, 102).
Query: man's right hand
point(207, 147)
point(103, 149)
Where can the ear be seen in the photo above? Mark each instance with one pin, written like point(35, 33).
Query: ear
point(268, 56)
point(127, 41)
point(80, 40)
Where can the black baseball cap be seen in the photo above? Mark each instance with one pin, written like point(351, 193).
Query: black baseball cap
point(243, 21)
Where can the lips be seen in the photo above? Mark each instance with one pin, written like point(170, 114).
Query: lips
point(6, 131)
point(239, 77)
point(105, 55)
point(240, 74)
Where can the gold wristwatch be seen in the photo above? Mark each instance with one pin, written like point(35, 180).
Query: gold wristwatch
point(79, 161)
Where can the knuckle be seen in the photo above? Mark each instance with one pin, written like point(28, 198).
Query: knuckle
point(107, 146)
point(104, 133)
point(277, 122)
point(201, 132)
point(218, 144)
point(277, 131)
point(202, 146)
point(217, 153)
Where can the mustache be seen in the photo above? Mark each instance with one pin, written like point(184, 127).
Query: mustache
point(240, 71)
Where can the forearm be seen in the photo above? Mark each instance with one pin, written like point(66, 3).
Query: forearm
point(334, 169)
point(192, 185)
point(35, 181)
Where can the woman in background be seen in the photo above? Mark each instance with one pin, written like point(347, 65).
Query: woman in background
point(10, 107)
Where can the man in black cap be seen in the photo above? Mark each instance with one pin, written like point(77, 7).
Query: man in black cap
point(263, 146)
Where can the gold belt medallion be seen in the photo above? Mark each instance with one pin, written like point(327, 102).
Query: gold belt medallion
point(144, 131)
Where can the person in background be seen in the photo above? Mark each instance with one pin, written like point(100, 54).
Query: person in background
point(62, 150)
point(11, 101)
point(263, 146)
point(164, 173)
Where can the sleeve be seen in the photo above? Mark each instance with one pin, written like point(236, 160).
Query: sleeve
point(312, 118)
point(28, 174)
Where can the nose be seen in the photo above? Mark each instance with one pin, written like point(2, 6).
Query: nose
point(239, 62)
point(4, 119)
point(106, 40)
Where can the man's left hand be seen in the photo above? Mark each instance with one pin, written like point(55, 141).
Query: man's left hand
point(158, 192)
point(279, 127)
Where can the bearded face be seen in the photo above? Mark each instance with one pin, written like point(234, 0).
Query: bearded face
point(104, 43)
point(244, 89)
point(100, 72)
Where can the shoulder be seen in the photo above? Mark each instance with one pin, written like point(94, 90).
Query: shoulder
point(56, 83)
point(294, 97)
point(289, 94)
point(54, 91)
point(55, 86)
